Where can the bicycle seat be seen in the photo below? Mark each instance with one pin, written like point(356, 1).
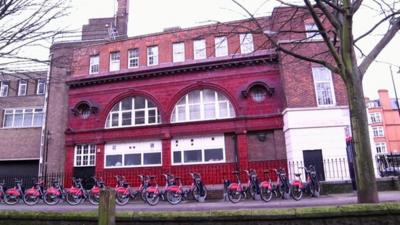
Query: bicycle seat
point(152, 177)
point(297, 174)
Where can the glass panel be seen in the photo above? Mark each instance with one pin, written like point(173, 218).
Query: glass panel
point(85, 160)
point(126, 118)
point(115, 108)
point(79, 150)
point(78, 160)
point(8, 120)
point(177, 157)
point(28, 118)
point(152, 158)
point(223, 109)
point(152, 116)
point(194, 97)
point(208, 95)
point(85, 149)
point(213, 155)
point(182, 101)
point(133, 159)
point(114, 120)
point(209, 111)
point(18, 119)
point(126, 104)
point(92, 149)
point(113, 160)
point(92, 160)
point(140, 103)
point(194, 112)
point(192, 156)
point(37, 120)
point(150, 104)
point(231, 111)
point(139, 117)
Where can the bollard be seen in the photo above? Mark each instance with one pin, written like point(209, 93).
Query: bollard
point(107, 207)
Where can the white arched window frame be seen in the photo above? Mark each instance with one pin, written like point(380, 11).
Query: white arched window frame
point(205, 104)
point(133, 111)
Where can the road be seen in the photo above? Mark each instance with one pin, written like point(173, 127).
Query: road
point(210, 205)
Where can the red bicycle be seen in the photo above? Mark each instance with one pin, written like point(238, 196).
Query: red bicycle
point(54, 193)
point(35, 193)
point(266, 189)
point(152, 192)
point(94, 192)
point(173, 190)
point(76, 194)
point(198, 189)
point(15, 194)
point(297, 187)
point(123, 191)
point(234, 191)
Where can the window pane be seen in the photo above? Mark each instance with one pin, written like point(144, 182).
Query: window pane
point(18, 119)
point(85, 160)
point(28, 116)
point(192, 156)
point(126, 104)
point(78, 160)
point(92, 160)
point(8, 120)
point(177, 157)
point(140, 103)
point(194, 112)
point(152, 116)
point(213, 155)
point(37, 120)
point(223, 109)
point(194, 97)
point(181, 113)
point(150, 104)
point(114, 120)
point(133, 159)
point(209, 111)
point(126, 118)
point(139, 117)
point(152, 158)
point(85, 149)
point(113, 160)
point(92, 149)
point(79, 150)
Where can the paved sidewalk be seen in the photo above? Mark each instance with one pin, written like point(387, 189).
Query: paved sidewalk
point(212, 205)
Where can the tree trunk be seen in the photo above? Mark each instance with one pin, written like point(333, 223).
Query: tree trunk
point(365, 176)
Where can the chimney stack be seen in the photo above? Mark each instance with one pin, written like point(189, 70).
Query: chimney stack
point(122, 18)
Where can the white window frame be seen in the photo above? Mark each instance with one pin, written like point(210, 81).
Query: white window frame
point(4, 87)
point(25, 112)
point(91, 152)
point(183, 103)
point(133, 58)
point(316, 72)
point(41, 87)
point(199, 49)
point(94, 64)
point(312, 33)
point(134, 147)
point(178, 52)
point(152, 55)
point(378, 131)
point(375, 117)
point(22, 87)
point(202, 143)
point(115, 59)
point(246, 43)
point(380, 147)
point(120, 111)
point(221, 46)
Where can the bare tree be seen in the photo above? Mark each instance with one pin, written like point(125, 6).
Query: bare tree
point(333, 22)
point(27, 27)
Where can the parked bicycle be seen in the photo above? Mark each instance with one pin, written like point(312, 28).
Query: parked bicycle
point(173, 190)
point(234, 191)
point(94, 192)
point(266, 189)
point(144, 184)
point(2, 193)
point(54, 193)
point(76, 194)
point(198, 189)
point(15, 194)
point(35, 193)
point(123, 191)
point(252, 187)
point(282, 186)
point(313, 186)
point(152, 192)
point(297, 187)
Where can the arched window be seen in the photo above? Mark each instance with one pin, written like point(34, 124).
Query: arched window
point(203, 104)
point(133, 111)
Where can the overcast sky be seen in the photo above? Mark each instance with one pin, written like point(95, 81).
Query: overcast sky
point(149, 16)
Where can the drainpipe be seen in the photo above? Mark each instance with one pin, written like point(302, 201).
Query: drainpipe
point(44, 134)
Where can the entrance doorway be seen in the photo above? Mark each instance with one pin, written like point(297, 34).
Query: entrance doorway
point(314, 157)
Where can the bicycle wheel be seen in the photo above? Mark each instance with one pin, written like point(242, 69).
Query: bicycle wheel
point(11, 199)
point(297, 193)
point(73, 199)
point(266, 194)
point(199, 195)
point(152, 198)
point(234, 196)
point(173, 197)
point(51, 199)
point(253, 191)
point(121, 198)
point(94, 198)
point(315, 190)
point(30, 199)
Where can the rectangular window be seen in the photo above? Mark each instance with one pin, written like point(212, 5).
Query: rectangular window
point(246, 43)
point(114, 61)
point(40, 87)
point(4, 86)
point(312, 32)
point(85, 155)
point(380, 147)
point(152, 56)
point(133, 154)
point(133, 58)
point(323, 86)
point(178, 52)
point(375, 117)
point(199, 47)
point(378, 132)
point(22, 87)
point(221, 46)
point(16, 118)
point(198, 150)
point(94, 64)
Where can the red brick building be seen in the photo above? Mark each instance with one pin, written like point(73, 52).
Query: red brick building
point(201, 99)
